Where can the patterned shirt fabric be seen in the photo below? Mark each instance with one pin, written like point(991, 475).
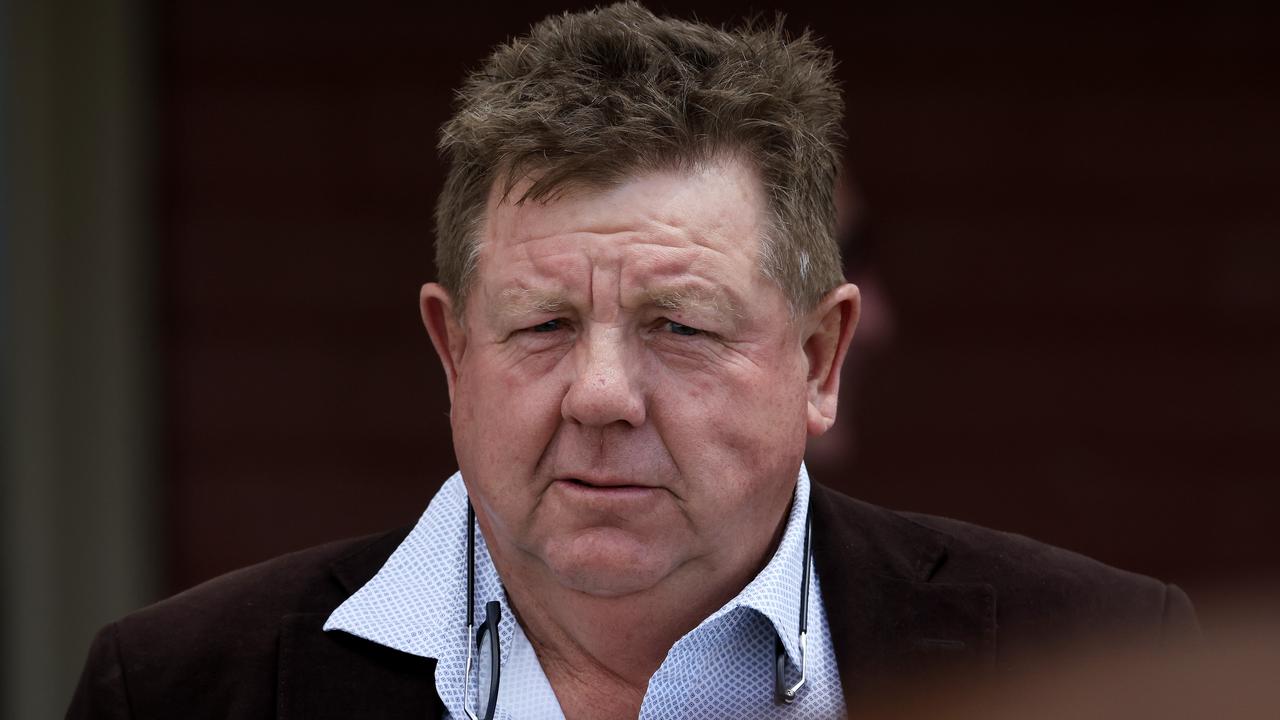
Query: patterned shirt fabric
point(722, 668)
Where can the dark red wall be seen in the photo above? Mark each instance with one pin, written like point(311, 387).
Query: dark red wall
point(1074, 218)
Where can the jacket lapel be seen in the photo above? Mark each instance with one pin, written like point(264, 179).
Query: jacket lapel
point(887, 619)
point(332, 675)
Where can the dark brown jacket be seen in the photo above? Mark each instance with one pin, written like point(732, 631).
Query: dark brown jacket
point(902, 592)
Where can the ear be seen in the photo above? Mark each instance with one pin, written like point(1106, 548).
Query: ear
point(828, 332)
point(446, 331)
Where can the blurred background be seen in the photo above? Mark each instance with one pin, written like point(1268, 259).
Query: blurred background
point(215, 217)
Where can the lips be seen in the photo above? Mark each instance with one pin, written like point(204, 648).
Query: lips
point(602, 488)
point(616, 497)
point(605, 483)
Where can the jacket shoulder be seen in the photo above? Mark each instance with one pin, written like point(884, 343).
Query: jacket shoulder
point(1040, 585)
point(1040, 590)
point(316, 579)
point(217, 642)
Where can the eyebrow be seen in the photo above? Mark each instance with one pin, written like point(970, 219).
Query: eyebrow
point(690, 298)
point(693, 298)
point(515, 301)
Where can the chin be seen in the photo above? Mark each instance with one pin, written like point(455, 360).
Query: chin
point(608, 562)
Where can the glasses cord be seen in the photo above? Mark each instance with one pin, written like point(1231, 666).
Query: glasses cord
point(787, 694)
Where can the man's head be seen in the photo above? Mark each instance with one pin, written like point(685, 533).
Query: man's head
point(635, 368)
point(592, 98)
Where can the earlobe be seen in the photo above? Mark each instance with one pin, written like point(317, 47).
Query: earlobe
point(831, 328)
point(444, 329)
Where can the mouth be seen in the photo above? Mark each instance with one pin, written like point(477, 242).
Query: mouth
point(602, 489)
point(605, 484)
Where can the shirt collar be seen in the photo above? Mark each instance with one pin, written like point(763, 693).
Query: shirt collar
point(415, 603)
point(775, 590)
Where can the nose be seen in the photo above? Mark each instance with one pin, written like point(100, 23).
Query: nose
point(606, 387)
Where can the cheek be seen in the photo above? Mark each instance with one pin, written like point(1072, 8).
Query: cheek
point(502, 419)
point(748, 417)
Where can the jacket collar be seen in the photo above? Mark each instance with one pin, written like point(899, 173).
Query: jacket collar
point(332, 676)
point(887, 619)
point(327, 676)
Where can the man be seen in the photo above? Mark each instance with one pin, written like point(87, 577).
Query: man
point(641, 318)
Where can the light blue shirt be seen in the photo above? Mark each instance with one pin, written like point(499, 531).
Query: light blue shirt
point(722, 668)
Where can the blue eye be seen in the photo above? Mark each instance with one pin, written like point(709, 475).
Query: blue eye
point(548, 326)
point(679, 329)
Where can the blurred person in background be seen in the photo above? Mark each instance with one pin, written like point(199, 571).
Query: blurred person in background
point(642, 317)
point(833, 451)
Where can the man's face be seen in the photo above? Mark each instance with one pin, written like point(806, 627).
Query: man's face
point(630, 393)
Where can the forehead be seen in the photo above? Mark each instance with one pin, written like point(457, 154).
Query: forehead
point(706, 221)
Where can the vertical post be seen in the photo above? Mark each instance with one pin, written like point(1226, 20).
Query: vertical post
point(76, 366)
